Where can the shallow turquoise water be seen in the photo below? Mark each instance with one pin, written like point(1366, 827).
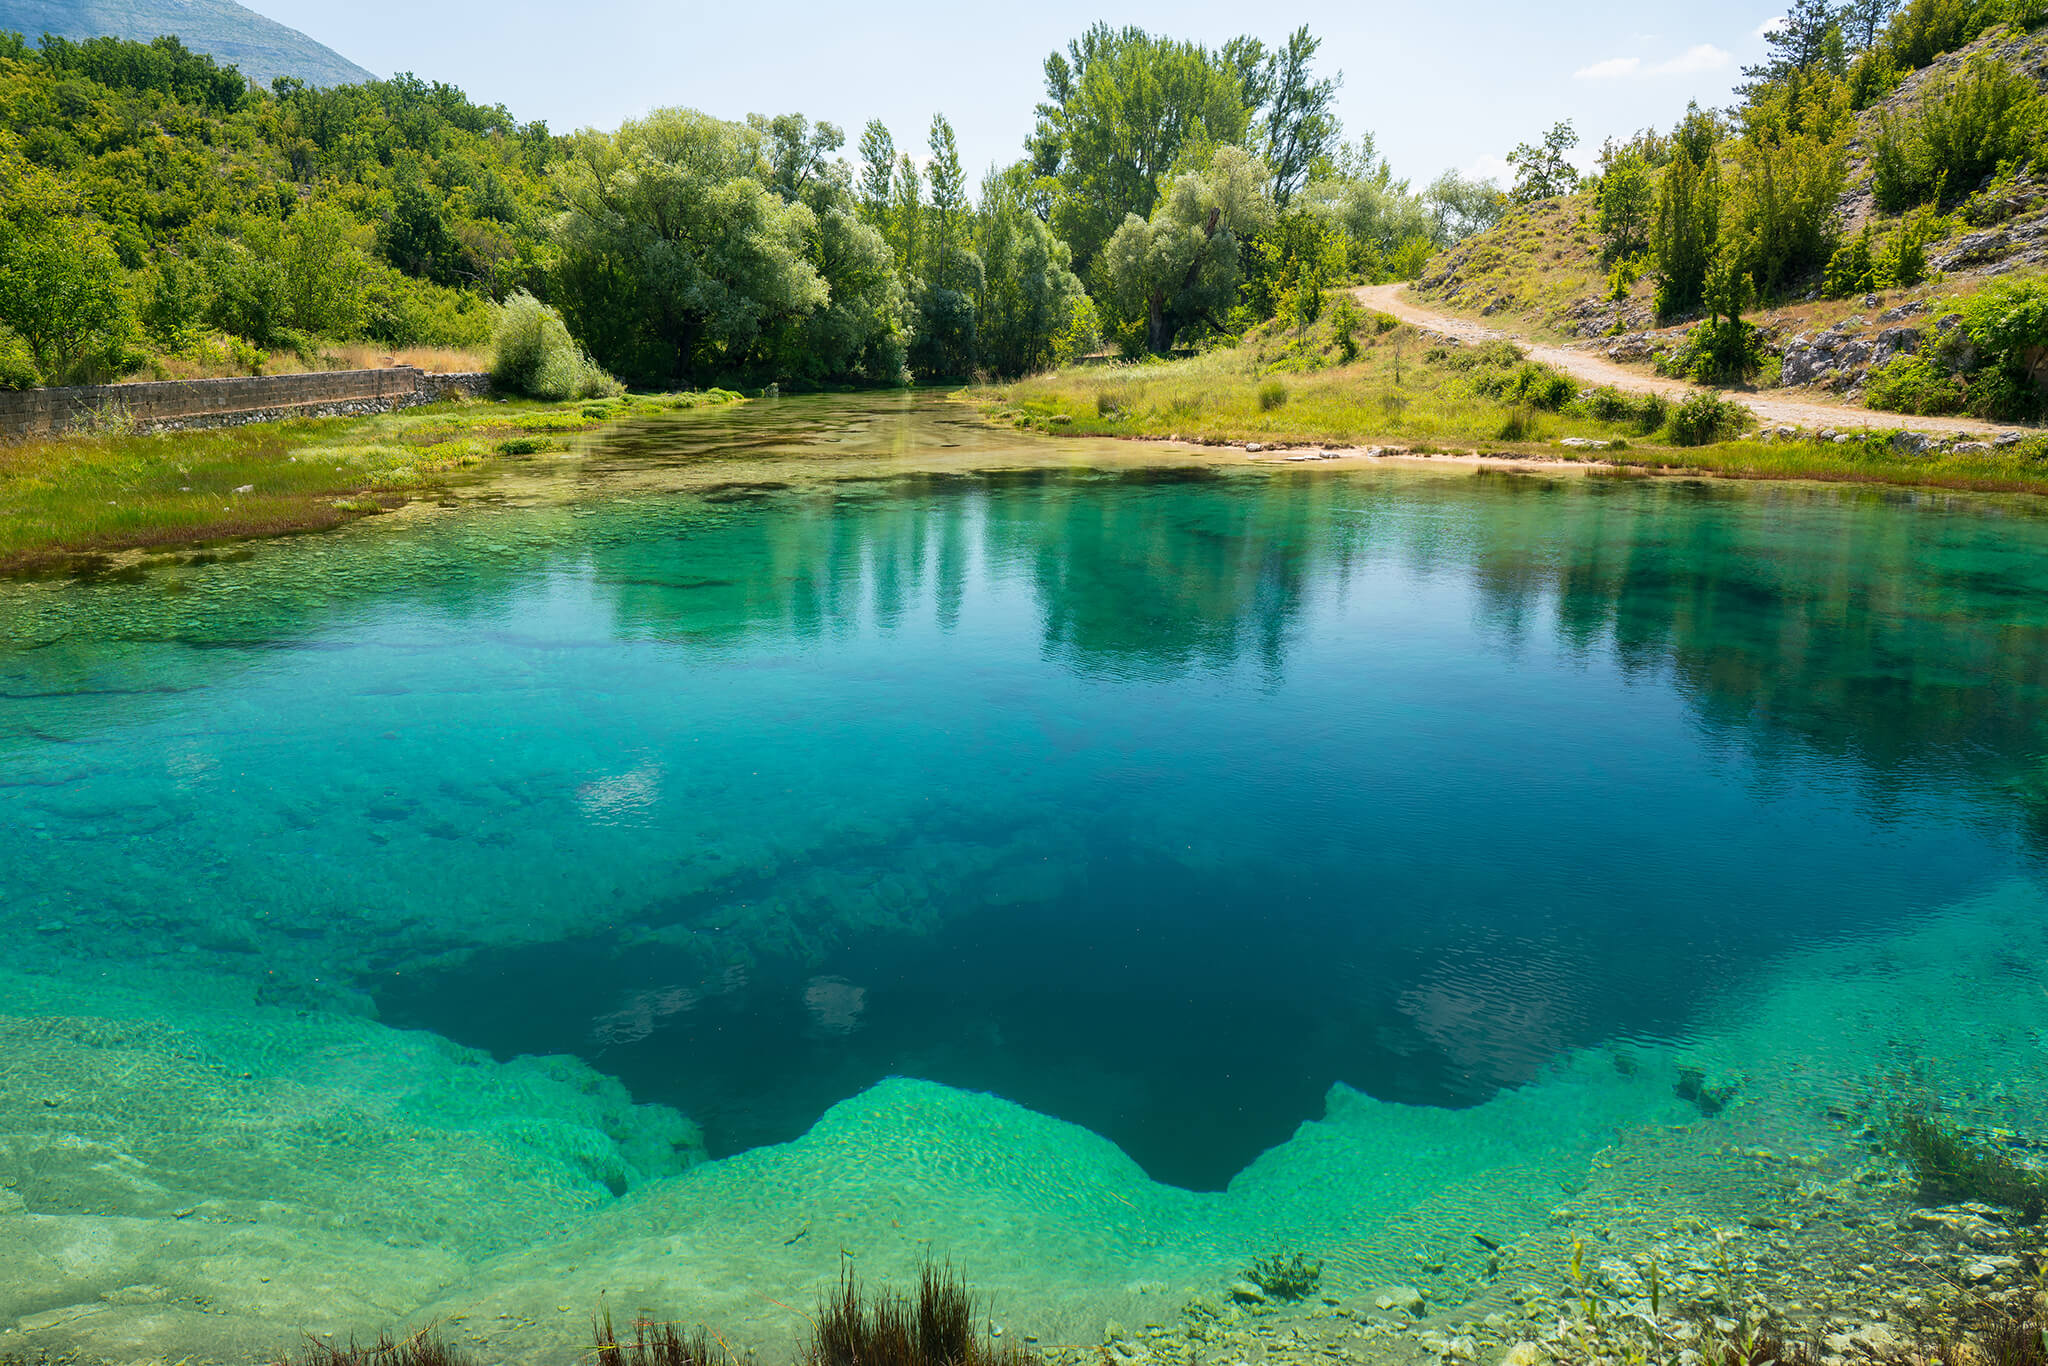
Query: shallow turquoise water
point(1157, 800)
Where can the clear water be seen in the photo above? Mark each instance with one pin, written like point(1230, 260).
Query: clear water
point(754, 758)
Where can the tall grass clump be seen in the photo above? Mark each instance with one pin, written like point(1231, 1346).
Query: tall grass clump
point(1704, 419)
point(1951, 1168)
point(533, 355)
point(938, 1328)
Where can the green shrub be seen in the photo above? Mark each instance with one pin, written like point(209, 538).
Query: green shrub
point(1271, 395)
point(533, 354)
point(1345, 320)
point(1979, 118)
point(1706, 418)
point(1915, 384)
point(1718, 351)
point(1621, 279)
point(17, 362)
point(1530, 384)
point(1850, 268)
point(2007, 322)
point(1645, 412)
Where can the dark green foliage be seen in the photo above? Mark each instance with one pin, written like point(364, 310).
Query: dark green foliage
point(1272, 394)
point(939, 1328)
point(1647, 412)
point(1980, 118)
point(1529, 384)
point(163, 65)
point(424, 1348)
point(1951, 1167)
point(653, 1344)
point(1685, 232)
point(1345, 320)
point(1807, 39)
point(378, 211)
point(1918, 385)
point(2007, 325)
point(1627, 203)
point(1706, 418)
point(1294, 1278)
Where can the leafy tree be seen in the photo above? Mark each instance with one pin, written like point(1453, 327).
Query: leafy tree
point(1459, 206)
point(1541, 170)
point(676, 257)
point(799, 152)
point(906, 212)
point(1121, 108)
point(1627, 201)
point(1685, 232)
point(877, 172)
point(1807, 39)
point(949, 197)
point(62, 290)
point(1181, 267)
point(1373, 214)
point(1781, 216)
point(1863, 22)
point(1296, 111)
point(1033, 312)
point(1973, 120)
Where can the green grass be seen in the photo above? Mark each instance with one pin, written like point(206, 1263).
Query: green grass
point(91, 495)
point(1404, 393)
point(1402, 389)
point(1532, 266)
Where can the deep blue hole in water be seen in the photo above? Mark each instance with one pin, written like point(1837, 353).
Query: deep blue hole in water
point(1194, 1020)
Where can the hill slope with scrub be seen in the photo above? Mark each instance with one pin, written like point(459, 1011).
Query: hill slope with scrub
point(260, 47)
point(1870, 222)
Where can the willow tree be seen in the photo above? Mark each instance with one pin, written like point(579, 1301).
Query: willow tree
point(1180, 266)
point(676, 257)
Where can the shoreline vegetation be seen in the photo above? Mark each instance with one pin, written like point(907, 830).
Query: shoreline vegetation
point(1357, 385)
point(68, 502)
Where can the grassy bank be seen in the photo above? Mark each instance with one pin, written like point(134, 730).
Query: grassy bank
point(1395, 388)
point(90, 495)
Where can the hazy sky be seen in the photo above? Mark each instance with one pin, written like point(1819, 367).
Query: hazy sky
point(1441, 84)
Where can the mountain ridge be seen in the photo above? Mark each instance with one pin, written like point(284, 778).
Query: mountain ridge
point(261, 47)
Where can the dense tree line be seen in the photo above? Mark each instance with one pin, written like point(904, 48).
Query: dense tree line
point(153, 204)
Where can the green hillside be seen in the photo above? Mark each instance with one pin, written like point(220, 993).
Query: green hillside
point(263, 48)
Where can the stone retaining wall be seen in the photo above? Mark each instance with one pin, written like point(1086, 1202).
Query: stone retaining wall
point(182, 404)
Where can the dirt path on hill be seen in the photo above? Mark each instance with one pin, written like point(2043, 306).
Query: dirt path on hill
point(1770, 411)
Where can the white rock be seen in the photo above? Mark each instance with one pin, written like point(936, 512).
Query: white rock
point(1523, 1354)
point(1405, 1298)
point(1253, 447)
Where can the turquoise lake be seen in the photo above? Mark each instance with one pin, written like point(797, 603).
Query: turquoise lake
point(752, 759)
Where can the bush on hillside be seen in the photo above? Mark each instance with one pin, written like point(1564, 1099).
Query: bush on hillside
point(1915, 384)
point(1980, 118)
point(533, 354)
point(2007, 324)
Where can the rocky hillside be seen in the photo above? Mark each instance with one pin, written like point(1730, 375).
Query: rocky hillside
point(263, 48)
point(1541, 269)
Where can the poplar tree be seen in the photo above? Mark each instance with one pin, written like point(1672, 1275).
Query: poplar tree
point(877, 170)
point(949, 198)
point(906, 212)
